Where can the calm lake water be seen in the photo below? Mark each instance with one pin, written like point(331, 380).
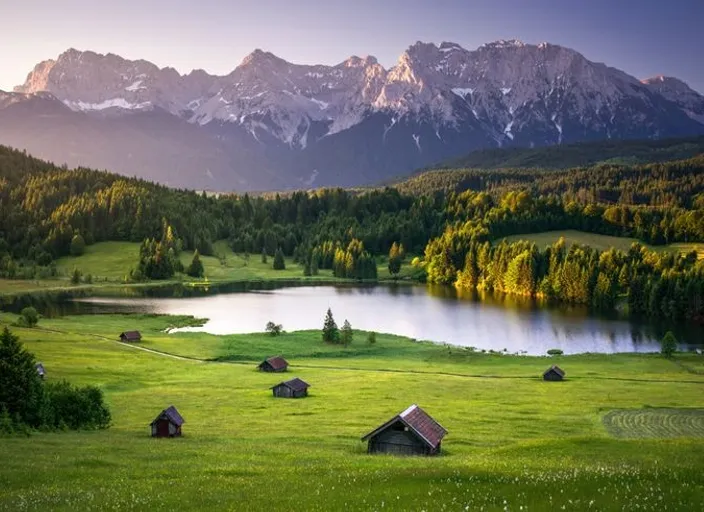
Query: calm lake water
point(437, 314)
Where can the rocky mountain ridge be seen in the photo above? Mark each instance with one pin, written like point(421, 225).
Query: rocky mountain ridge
point(283, 124)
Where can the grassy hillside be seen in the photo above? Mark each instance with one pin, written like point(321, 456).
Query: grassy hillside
point(514, 442)
point(600, 242)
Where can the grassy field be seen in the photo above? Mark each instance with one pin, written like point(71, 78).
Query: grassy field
point(600, 242)
point(514, 443)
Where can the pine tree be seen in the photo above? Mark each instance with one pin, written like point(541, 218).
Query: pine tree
point(264, 259)
point(279, 262)
point(21, 389)
point(331, 333)
point(346, 333)
point(195, 269)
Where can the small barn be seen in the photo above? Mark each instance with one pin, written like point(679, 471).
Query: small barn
point(294, 388)
point(412, 432)
point(130, 336)
point(168, 423)
point(554, 373)
point(40, 370)
point(273, 364)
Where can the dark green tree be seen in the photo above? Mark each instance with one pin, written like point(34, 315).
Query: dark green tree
point(346, 333)
point(21, 388)
point(76, 276)
point(279, 262)
point(396, 255)
point(264, 258)
point(195, 268)
point(371, 337)
point(331, 333)
point(274, 329)
point(668, 345)
point(78, 245)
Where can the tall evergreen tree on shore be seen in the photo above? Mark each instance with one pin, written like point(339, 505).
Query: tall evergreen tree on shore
point(331, 333)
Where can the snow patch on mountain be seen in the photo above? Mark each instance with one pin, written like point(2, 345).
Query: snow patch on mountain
point(104, 105)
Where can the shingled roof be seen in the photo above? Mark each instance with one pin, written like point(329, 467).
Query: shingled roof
point(131, 335)
point(295, 384)
point(172, 415)
point(277, 363)
point(419, 422)
point(556, 369)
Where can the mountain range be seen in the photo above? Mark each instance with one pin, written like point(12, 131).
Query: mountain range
point(271, 124)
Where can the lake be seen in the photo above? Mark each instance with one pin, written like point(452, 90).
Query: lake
point(439, 314)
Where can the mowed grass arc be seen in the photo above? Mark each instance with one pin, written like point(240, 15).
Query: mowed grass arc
point(512, 437)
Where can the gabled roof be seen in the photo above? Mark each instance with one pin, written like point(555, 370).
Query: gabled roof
point(417, 420)
point(277, 363)
point(172, 415)
point(131, 335)
point(556, 369)
point(295, 384)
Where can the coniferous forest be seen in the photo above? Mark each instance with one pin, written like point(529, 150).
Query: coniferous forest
point(453, 221)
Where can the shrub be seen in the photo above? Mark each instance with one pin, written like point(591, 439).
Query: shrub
point(371, 337)
point(555, 352)
point(76, 276)
point(78, 245)
point(668, 345)
point(274, 329)
point(75, 407)
point(29, 317)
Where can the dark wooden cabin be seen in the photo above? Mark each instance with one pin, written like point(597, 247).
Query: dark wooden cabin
point(273, 364)
point(130, 336)
point(40, 370)
point(168, 423)
point(294, 388)
point(413, 432)
point(554, 373)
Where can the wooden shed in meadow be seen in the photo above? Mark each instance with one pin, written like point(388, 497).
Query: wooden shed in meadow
point(273, 364)
point(168, 423)
point(554, 373)
point(40, 370)
point(412, 432)
point(294, 388)
point(130, 336)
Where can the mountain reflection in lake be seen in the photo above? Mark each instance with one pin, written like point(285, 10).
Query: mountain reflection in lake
point(435, 313)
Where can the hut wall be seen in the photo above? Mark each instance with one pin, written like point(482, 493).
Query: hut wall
point(266, 367)
point(283, 392)
point(397, 441)
point(300, 394)
point(552, 376)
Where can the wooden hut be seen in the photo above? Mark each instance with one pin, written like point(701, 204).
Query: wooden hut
point(294, 388)
point(40, 370)
point(130, 336)
point(554, 373)
point(273, 364)
point(168, 423)
point(412, 432)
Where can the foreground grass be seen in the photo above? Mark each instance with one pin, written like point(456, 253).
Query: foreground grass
point(600, 242)
point(514, 441)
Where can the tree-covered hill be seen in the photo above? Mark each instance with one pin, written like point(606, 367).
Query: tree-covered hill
point(580, 154)
point(47, 212)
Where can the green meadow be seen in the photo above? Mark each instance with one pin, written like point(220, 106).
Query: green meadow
point(600, 242)
point(109, 265)
point(623, 432)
